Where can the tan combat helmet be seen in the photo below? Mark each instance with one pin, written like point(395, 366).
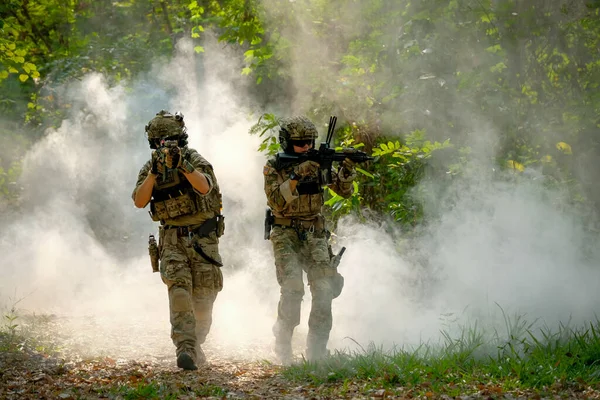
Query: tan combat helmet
point(166, 126)
point(297, 128)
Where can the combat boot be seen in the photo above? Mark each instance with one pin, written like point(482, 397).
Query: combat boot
point(200, 357)
point(283, 344)
point(316, 348)
point(186, 361)
point(283, 351)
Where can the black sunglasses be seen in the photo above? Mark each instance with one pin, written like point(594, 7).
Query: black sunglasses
point(302, 143)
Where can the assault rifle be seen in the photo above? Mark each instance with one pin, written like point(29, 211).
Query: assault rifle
point(168, 147)
point(325, 156)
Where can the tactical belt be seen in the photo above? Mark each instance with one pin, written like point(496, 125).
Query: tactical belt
point(316, 224)
point(208, 226)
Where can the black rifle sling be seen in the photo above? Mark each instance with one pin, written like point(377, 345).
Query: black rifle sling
point(208, 258)
point(205, 229)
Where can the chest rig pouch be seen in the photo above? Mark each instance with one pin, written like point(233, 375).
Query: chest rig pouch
point(172, 197)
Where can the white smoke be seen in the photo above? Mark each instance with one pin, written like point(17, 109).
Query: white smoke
point(79, 248)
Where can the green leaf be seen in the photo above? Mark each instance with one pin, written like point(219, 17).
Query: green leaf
point(366, 173)
point(199, 49)
point(494, 49)
point(564, 147)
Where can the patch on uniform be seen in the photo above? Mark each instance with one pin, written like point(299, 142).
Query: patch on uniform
point(266, 170)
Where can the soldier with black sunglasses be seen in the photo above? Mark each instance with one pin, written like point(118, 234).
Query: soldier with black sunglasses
point(301, 240)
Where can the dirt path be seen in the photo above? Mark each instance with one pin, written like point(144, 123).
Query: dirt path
point(31, 376)
point(69, 358)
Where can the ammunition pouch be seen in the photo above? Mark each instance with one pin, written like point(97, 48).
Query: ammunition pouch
point(174, 207)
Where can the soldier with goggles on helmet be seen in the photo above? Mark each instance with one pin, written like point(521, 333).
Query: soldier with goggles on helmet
point(300, 239)
point(185, 199)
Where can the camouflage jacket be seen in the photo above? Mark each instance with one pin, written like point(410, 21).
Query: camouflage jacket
point(304, 202)
point(167, 205)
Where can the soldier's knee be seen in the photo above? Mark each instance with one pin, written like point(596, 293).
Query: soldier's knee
point(180, 299)
point(293, 287)
point(322, 289)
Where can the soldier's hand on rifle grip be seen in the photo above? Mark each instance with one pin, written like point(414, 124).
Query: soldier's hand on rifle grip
point(308, 168)
point(347, 172)
point(157, 166)
point(173, 157)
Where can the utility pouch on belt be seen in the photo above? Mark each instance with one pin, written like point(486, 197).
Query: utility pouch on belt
point(220, 225)
point(153, 250)
point(215, 224)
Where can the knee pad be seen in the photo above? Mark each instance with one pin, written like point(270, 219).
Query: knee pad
point(180, 299)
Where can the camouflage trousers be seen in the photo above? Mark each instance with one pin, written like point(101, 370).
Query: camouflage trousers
point(192, 283)
point(292, 257)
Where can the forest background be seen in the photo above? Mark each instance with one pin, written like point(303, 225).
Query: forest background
point(483, 116)
point(425, 72)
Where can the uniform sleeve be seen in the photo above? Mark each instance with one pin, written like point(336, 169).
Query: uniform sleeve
point(204, 167)
point(277, 189)
point(141, 177)
point(344, 189)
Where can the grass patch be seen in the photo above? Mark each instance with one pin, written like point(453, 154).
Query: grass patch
point(20, 333)
point(149, 390)
point(467, 362)
point(163, 390)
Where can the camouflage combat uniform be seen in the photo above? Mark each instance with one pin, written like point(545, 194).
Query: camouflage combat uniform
point(300, 243)
point(193, 280)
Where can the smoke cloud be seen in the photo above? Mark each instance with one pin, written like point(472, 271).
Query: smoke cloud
point(78, 249)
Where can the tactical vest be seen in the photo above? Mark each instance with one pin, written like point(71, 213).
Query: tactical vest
point(173, 196)
point(310, 200)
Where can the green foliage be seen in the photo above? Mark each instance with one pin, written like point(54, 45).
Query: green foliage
point(530, 70)
point(150, 390)
point(160, 390)
point(265, 127)
point(524, 359)
point(241, 23)
point(9, 335)
point(398, 170)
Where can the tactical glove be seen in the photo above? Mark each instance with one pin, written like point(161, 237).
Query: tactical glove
point(347, 172)
point(186, 167)
point(157, 166)
point(308, 168)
